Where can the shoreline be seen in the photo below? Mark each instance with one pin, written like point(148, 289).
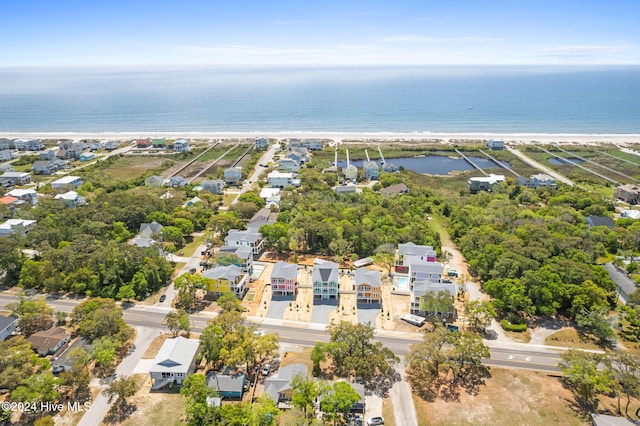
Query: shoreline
point(515, 138)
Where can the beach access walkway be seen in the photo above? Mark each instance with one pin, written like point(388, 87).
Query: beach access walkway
point(540, 167)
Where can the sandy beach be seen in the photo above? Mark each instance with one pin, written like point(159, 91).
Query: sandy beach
point(514, 138)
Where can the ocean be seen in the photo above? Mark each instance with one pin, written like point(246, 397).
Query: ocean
point(374, 99)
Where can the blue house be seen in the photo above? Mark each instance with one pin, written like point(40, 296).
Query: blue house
point(227, 385)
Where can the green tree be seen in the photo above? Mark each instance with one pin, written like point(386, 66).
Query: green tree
point(598, 324)
point(437, 303)
point(126, 292)
point(425, 361)
point(584, 377)
point(480, 313)
point(353, 351)
point(229, 302)
point(264, 411)
point(317, 356)
point(625, 367)
point(385, 255)
point(175, 320)
point(38, 388)
point(103, 351)
point(18, 361)
point(33, 315)
point(100, 317)
point(304, 393)
point(198, 411)
point(338, 399)
point(119, 390)
point(186, 286)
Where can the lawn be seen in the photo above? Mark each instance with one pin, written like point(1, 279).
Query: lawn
point(131, 166)
point(569, 338)
point(509, 397)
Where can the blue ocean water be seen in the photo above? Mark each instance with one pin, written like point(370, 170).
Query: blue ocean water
point(419, 99)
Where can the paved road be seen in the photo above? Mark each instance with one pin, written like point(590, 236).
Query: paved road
point(625, 285)
point(403, 408)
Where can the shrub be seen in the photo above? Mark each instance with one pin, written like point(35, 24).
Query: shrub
point(518, 328)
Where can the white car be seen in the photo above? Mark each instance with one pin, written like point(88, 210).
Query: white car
point(371, 421)
point(266, 369)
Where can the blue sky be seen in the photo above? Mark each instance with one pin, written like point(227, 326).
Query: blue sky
point(209, 32)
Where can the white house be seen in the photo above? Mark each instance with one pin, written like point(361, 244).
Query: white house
point(325, 279)
point(420, 288)
point(261, 143)
point(288, 165)
point(6, 155)
point(271, 196)
point(11, 226)
point(25, 195)
point(71, 199)
point(281, 180)
point(495, 144)
point(175, 361)
point(63, 182)
point(542, 179)
point(238, 238)
point(15, 178)
point(181, 145)
point(8, 325)
point(484, 183)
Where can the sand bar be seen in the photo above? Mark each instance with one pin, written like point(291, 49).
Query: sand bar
point(516, 138)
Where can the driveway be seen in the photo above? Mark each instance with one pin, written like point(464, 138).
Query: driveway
point(278, 305)
point(322, 309)
point(368, 312)
point(625, 285)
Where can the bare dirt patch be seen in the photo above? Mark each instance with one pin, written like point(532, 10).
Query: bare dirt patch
point(165, 407)
point(509, 397)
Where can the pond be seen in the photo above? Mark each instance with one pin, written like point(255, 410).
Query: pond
point(559, 162)
point(433, 164)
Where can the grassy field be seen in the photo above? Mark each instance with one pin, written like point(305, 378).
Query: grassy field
point(569, 338)
point(509, 397)
point(130, 166)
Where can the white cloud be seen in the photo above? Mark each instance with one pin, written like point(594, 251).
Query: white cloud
point(416, 38)
point(584, 49)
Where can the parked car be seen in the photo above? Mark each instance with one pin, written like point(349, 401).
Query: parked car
point(371, 421)
point(266, 369)
point(57, 369)
point(163, 298)
point(452, 273)
point(193, 271)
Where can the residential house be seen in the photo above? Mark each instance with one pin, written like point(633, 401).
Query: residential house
point(181, 145)
point(6, 168)
point(243, 258)
point(71, 199)
point(12, 226)
point(67, 181)
point(484, 183)
point(264, 216)
point(495, 144)
point(279, 386)
point(49, 342)
point(356, 407)
point(368, 285)
point(213, 186)
point(6, 200)
point(389, 167)
point(94, 145)
point(87, 156)
point(542, 179)
point(25, 195)
point(6, 143)
point(313, 144)
point(347, 189)
point(159, 143)
point(350, 172)
point(14, 178)
point(600, 221)
point(8, 325)
point(147, 234)
point(228, 386)
point(176, 181)
point(155, 180)
point(420, 271)
point(325, 278)
point(109, 145)
point(371, 170)
point(299, 155)
point(281, 180)
point(143, 143)
point(6, 155)
point(631, 214)
point(47, 167)
point(288, 165)
point(271, 196)
point(233, 175)
point(525, 181)
point(410, 252)
point(284, 278)
point(224, 279)
point(261, 143)
point(70, 151)
point(422, 287)
point(397, 189)
point(628, 193)
point(175, 361)
point(28, 145)
point(48, 154)
point(254, 240)
point(192, 201)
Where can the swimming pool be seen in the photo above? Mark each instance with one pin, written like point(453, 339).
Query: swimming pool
point(400, 283)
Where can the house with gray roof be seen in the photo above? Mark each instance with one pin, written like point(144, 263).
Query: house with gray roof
point(155, 180)
point(279, 387)
point(422, 287)
point(371, 170)
point(223, 279)
point(251, 239)
point(146, 234)
point(228, 386)
point(15, 178)
point(261, 143)
point(8, 325)
point(175, 362)
point(397, 189)
point(288, 165)
point(284, 278)
point(6, 154)
point(243, 257)
point(419, 271)
point(213, 186)
point(325, 278)
point(233, 175)
point(368, 285)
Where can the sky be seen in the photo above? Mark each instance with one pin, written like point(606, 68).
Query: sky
point(129, 33)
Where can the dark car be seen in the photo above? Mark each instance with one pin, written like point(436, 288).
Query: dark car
point(57, 369)
point(163, 298)
point(192, 271)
